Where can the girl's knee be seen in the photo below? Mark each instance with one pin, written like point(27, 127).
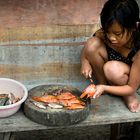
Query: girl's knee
point(116, 72)
point(93, 44)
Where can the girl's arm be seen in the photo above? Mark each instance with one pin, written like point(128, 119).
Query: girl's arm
point(86, 68)
point(130, 88)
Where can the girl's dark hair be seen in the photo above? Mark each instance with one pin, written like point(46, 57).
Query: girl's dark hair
point(125, 12)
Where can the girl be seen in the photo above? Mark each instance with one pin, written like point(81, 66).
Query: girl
point(112, 55)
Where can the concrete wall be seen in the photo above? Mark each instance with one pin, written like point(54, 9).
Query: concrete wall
point(41, 40)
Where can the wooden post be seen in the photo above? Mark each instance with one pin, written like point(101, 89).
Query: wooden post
point(114, 131)
point(136, 131)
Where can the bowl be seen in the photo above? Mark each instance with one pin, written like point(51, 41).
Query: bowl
point(18, 89)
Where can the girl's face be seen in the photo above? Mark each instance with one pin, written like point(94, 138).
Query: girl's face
point(117, 36)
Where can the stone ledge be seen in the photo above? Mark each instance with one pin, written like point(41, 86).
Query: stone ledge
point(105, 110)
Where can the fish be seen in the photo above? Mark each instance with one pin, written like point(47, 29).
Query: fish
point(75, 107)
point(89, 91)
point(75, 101)
point(65, 95)
point(11, 98)
point(39, 104)
point(8, 99)
point(46, 99)
point(16, 99)
point(64, 102)
point(61, 100)
point(55, 105)
point(3, 99)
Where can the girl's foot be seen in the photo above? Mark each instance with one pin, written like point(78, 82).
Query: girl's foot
point(132, 103)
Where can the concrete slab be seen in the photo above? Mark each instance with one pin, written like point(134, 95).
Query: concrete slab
point(105, 110)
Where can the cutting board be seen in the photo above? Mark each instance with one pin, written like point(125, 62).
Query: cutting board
point(55, 117)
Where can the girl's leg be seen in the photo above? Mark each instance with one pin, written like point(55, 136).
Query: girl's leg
point(117, 74)
point(97, 56)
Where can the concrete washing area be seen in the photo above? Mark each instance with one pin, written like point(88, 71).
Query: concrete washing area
point(40, 43)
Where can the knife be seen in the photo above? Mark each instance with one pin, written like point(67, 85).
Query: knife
point(90, 78)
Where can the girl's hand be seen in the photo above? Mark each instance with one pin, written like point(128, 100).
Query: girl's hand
point(86, 69)
point(98, 91)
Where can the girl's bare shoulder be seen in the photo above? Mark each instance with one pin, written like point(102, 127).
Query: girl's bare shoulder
point(100, 34)
point(136, 57)
point(97, 39)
